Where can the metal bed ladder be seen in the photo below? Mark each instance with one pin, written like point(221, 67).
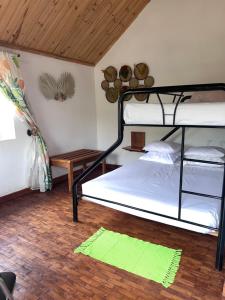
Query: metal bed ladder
point(221, 229)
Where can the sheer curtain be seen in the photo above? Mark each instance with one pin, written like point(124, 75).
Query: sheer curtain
point(12, 86)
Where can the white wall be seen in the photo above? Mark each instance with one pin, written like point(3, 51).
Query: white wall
point(65, 125)
point(183, 42)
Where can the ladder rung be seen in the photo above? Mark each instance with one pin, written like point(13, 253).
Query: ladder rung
point(204, 161)
point(200, 194)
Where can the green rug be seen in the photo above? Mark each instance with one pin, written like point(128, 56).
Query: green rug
point(142, 258)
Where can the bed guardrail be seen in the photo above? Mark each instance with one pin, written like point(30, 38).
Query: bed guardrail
point(176, 91)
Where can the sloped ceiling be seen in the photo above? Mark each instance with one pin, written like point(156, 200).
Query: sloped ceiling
point(76, 30)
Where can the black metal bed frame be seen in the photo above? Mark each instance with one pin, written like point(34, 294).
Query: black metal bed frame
point(175, 91)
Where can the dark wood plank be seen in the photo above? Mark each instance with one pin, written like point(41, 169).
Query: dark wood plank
point(37, 238)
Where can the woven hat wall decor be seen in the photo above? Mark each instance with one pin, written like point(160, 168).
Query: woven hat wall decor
point(128, 79)
point(58, 90)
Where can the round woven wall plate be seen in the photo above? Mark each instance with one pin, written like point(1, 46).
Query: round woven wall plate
point(110, 73)
point(141, 71)
point(105, 84)
point(149, 81)
point(133, 83)
point(141, 97)
point(118, 84)
point(122, 90)
point(125, 73)
point(112, 94)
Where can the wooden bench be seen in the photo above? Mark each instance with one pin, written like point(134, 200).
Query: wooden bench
point(75, 158)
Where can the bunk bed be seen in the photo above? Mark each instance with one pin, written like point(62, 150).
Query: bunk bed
point(177, 203)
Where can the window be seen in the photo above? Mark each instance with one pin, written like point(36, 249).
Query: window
point(7, 111)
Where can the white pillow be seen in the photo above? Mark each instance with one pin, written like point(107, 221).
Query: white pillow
point(210, 158)
point(165, 158)
point(163, 147)
point(207, 151)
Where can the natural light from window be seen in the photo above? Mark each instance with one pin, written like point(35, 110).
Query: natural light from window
point(7, 112)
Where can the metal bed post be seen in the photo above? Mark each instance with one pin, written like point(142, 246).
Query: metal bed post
point(171, 132)
point(221, 230)
point(75, 203)
point(181, 172)
point(91, 168)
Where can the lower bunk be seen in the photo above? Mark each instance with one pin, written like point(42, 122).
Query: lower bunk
point(151, 190)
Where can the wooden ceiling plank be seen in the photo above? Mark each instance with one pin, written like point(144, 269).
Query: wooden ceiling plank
point(95, 24)
point(99, 23)
point(114, 20)
point(64, 25)
point(127, 15)
point(96, 42)
point(42, 24)
point(12, 17)
point(80, 26)
point(30, 31)
point(106, 44)
point(44, 38)
point(4, 15)
point(100, 36)
point(72, 31)
point(19, 20)
point(77, 30)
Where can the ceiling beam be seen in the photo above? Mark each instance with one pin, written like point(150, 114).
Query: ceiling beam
point(44, 53)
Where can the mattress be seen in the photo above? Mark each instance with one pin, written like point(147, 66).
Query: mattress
point(187, 114)
point(155, 187)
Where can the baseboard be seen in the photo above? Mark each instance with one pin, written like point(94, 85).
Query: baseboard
point(111, 167)
point(16, 195)
point(56, 180)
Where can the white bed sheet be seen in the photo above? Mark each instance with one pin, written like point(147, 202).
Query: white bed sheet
point(155, 187)
point(187, 113)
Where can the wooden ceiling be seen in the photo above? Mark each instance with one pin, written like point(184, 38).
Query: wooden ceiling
point(77, 30)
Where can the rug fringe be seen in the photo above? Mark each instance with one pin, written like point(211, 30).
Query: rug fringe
point(171, 273)
point(89, 241)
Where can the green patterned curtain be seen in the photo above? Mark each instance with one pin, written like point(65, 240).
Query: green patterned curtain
point(12, 86)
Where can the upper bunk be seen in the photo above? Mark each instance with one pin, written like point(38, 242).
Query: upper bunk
point(201, 105)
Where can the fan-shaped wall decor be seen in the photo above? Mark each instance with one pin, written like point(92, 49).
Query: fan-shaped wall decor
point(58, 90)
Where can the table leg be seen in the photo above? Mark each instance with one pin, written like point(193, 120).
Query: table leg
point(103, 166)
point(70, 177)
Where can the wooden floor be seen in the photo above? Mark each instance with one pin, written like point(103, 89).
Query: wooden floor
point(37, 238)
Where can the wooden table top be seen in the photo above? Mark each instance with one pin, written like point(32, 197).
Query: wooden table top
point(76, 156)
